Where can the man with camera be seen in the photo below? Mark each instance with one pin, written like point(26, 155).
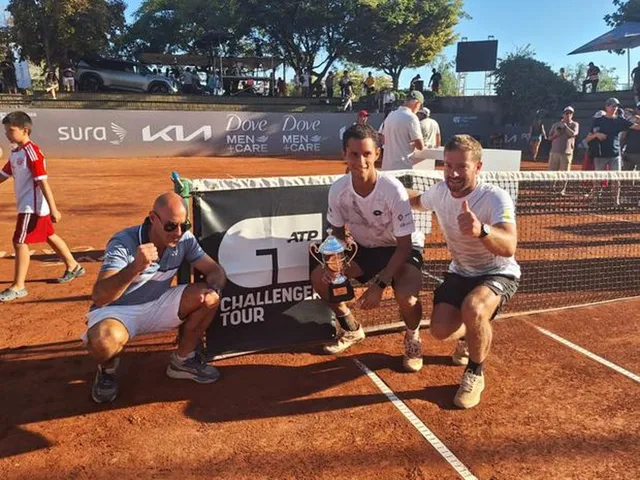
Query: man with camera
point(563, 141)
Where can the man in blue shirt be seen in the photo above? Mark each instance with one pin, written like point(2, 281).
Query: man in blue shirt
point(133, 295)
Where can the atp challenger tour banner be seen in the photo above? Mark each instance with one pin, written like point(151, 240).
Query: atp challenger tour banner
point(261, 236)
point(69, 133)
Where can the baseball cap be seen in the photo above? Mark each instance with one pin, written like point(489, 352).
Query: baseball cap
point(415, 95)
point(612, 101)
point(638, 105)
point(568, 109)
point(363, 113)
point(426, 111)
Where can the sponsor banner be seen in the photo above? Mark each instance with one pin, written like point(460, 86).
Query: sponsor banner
point(137, 133)
point(261, 237)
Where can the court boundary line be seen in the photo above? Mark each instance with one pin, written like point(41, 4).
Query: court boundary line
point(587, 353)
point(426, 433)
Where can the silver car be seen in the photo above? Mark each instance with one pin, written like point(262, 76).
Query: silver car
point(102, 73)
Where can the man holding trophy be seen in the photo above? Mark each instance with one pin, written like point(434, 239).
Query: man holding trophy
point(372, 237)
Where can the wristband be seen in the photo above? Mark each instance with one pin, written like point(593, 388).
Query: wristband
point(380, 283)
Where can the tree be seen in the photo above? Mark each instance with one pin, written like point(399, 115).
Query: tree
point(188, 26)
point(628, 11)
point(577, 73)
point(524, 85)
point(309, 34)
point(52, 30)
point(391, 35)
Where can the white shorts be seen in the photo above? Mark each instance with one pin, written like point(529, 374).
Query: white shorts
point(159, 315)
point(68, 81)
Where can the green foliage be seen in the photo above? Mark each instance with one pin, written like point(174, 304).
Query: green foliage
point(51, 31)
point(301, 30)
point(391, 35)
point(524, 85)
point(627, 11)
point(176, 26)
point(577, 73)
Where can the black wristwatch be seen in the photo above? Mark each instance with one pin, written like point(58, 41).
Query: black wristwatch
point(484, 230)
point(380, 283)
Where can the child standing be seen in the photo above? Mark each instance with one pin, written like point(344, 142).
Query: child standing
point(36, 205)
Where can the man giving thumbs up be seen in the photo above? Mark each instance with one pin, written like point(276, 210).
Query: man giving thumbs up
point(478, 221)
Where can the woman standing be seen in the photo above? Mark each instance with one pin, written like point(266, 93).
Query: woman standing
point(536, 135)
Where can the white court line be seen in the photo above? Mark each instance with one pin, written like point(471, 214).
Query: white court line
point(588, 354)
point(435, 442)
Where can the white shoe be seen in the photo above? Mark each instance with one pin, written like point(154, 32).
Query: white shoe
point(412, 359)
point(471, 387)
point(344, 340)
point(460, 355)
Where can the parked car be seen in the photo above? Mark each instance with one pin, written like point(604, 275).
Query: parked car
point(93, 74)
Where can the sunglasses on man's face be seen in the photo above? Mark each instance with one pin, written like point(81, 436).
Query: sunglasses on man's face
point(173, 226)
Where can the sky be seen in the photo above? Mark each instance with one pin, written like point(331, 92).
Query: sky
point(553, 28)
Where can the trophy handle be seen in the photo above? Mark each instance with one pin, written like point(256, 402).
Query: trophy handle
point(352, 248)
point(314, 250)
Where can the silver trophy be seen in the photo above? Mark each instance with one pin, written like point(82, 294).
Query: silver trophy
point(335, 255)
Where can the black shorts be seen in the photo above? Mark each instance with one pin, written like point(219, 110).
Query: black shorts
point(372, 260)
point(455, 288)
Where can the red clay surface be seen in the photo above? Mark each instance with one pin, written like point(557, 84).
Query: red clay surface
point(547, 412)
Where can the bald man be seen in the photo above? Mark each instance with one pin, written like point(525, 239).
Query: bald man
point(133, 296)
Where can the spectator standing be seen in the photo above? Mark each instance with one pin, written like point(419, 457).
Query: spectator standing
point(593, 77)
point(329, 83)
point(414, 81)
point(68, 79)
point(9, 75)
point(563, 141)
point(370, 84)
point(430, 129)
point(344, 81)
point(563, 74)
point(635, 75)
point(435, 80)
point(402, 135)
point(536, 134)
point(306, 83)
point(631, 142)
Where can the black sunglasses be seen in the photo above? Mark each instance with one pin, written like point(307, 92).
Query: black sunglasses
point(173, 226)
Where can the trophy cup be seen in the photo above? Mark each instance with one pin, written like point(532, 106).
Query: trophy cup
point(336, 255)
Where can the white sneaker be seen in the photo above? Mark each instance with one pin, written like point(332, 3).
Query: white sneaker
point(344, 340)
point(460, 355)
point(412, 359)
point(471, 387)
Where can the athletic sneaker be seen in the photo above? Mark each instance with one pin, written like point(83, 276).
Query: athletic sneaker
point(72, 274)
point(194, 368)
point(460, 355)
point(412, 359)
point(344, 340)
point(105, 386)
point(471, 387)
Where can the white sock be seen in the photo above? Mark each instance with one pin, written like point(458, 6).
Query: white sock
point(414, 334)
point(184, 359)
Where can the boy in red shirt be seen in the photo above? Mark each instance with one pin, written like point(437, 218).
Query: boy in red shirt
point(36, 206)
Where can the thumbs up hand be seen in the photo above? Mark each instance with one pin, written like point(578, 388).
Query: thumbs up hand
point(468, 222)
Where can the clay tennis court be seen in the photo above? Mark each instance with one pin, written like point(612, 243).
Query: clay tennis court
point(549, 411)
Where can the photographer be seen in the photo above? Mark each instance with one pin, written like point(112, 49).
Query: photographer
point(563, 137)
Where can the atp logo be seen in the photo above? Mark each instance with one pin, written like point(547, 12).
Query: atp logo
point(264, 251)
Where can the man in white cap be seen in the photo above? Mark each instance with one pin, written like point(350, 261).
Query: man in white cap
point(563, 141)
point(430, 129)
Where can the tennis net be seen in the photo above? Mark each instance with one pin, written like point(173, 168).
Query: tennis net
point(578, 238)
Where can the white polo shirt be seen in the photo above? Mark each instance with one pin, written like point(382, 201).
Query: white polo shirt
point(491, 205)
point(27, 165)
point(400, 129)
point(377, 219)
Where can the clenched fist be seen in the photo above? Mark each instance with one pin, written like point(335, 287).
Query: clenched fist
point(146, 254)
point(468, 222)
